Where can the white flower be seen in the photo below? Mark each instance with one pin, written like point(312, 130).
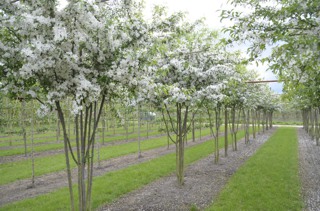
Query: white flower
point(60, 32)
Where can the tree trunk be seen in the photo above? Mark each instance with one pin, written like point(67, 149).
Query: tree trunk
point(226, 132)
point(267, 120)
point(103, 125)
point(65, 142)
point(23, 126)
point(133, 122)
point(32, 154)
point(271, 119)
point(317, 125)
point(263, 121)
point(139, 128)
point(258, 120)
point(253, 117)
point(126, 124)
point(217, 126)
point(148, 116)
point(246, 118)
point(181, 133)
point(312, 120)
point(193, 130)
point(58, 130)
point(200, 124)
point(232, 126)
point(85, 140)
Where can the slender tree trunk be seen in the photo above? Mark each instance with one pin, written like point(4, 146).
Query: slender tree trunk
point(271, 119)
point(91, 157)
point(258, 120)
point(103, 125)
point(58, 130)
point(217, 125)
point(246, 118)
point(200, 121)
point(65, 142)
point(232, 126)
point(181, 126)
point(139, 128)
point(226, 132)
point(23, 126)
point(236, 130)
point(114, 125)
point(317, 128)
point(253, 117)
point(32, 155)
point(126, 123)
point(267, 120)
point(133, 122)
point(85, 140)
point(312, 120)
point(148, 122)
point(193, 130)
point(263, 121)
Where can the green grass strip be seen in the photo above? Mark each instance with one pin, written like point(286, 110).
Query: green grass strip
point(112, 185)
point(13, 171)
point(268, 180)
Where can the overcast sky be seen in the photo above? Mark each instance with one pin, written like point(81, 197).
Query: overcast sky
point(210, 10)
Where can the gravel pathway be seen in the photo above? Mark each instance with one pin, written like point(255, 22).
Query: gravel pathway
point(203, 182)
point(309, 162)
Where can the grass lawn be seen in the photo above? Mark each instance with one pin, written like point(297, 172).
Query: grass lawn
point(114, 184)
point(268, 180)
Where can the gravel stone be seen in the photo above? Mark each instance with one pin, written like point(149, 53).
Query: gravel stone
point(309, 167)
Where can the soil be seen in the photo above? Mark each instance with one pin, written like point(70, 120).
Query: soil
point(203, 181)
point(309, 162)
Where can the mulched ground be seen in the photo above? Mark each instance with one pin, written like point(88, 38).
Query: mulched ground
point(203, 181)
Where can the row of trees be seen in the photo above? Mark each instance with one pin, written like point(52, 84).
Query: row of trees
point(291, 28)
point(94, 54)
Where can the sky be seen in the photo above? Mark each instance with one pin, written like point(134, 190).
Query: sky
point(210, 10)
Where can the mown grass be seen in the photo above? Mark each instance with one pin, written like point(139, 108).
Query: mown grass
point(112, 185)
point(13, 171)
point(268, 180)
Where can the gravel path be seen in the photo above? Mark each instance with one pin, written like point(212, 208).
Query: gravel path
point(203, 182)
point(309, 162)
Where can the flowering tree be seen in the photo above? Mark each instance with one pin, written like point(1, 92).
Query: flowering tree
point(188, 68)
point(82, 52)
point(292, 29)
point(236, 96)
